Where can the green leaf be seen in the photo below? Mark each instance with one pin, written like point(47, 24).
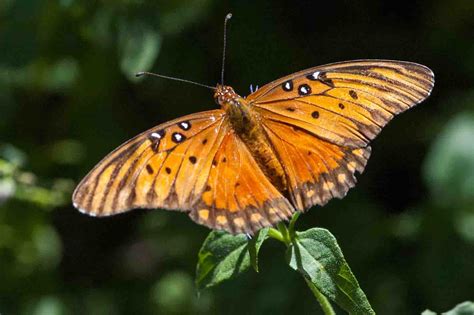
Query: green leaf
point(139, 44)
point(465, 308)
point(254, 246)
point(449, 167)
point(224, 256)
point(316, 254)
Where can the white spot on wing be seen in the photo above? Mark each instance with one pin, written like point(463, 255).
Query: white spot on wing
point(156, 135)
point(178, 137)
point(316, 75)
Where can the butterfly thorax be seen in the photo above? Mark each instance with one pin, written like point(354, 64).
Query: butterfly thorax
point(241, 116)
point(246, 123)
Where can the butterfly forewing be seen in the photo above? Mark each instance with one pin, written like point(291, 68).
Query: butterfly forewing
point(345, 103)
point(147, 171)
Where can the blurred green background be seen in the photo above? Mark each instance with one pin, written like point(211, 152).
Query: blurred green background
point(68, 97)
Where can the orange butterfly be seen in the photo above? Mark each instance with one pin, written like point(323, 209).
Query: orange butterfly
point(294, 143)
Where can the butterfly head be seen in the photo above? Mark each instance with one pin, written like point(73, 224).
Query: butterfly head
point(225, 96)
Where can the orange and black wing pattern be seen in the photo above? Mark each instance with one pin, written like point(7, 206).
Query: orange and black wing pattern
point(316, 170)
point(157, 169)
point(238, 196)
point(345, 103)
point(321, 120)
point(195, 164)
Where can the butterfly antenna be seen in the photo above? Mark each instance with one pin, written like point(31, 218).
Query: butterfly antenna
point(227, 18)
point(142, 73)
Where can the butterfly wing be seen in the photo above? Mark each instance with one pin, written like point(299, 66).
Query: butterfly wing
point(345, 103)
point(321, 120)
point(195, 164)
point(155, 169)
point(316, 170)
point(238, 196)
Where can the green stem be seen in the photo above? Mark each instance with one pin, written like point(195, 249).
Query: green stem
point(323, 301)
point(291, 226)
point(275, 234)
point(284, 232)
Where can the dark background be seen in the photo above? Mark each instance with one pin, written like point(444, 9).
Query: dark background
point(68, 97)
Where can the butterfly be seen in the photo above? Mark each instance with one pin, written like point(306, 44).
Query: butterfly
point(294, 143)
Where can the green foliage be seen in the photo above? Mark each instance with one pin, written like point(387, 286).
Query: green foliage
point(465, 308)
point(316, 254)
point(449, 169)
point(224, 256)
point(138, 45)
point(23, 186)
point(313, 253)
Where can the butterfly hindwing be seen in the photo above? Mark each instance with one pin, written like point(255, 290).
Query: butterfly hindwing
point(238, 196)
point(345, 103)
point(317, 170)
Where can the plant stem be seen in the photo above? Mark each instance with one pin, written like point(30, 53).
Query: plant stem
point(291, 226)
point(275, 234)
point(323, 301)
point(284, 232)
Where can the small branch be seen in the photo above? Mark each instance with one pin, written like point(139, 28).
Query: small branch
point(323, 301)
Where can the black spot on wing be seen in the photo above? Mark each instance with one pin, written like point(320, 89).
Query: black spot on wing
point(304, 89)
point(353, 94)
point(178, 137)
point(149, 169)
point(287, 86)
point(185, 125)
